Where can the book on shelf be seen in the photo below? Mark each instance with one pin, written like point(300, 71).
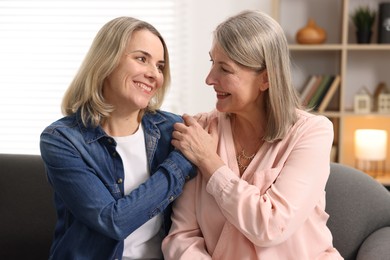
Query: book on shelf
point(329, 94)
point(310, 89)
point(307, 87)
point(319, 93)
point(333, 154)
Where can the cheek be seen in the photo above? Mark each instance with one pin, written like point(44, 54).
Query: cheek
point(160, 81)
point(115, 77)
point(232, 83)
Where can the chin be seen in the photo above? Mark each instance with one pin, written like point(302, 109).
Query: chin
point(221, 108)
point(142, 104)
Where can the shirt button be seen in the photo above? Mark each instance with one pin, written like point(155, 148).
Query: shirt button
point(119, 181)
point(109, 140)
point(114, 154)
point(171, 198)
point(188, 177)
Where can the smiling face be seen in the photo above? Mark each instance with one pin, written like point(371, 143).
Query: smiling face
point(138, 75)
point(239, 89)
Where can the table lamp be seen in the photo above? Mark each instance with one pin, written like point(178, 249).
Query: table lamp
point(371, 150)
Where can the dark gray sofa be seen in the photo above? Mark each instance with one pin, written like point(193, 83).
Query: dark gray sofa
point(359, 209)
point(27, 215)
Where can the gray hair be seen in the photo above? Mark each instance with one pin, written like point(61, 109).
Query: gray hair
point(255, 40)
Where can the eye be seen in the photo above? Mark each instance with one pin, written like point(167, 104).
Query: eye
point(225, 70)
point(141, 59)
point(161, 67)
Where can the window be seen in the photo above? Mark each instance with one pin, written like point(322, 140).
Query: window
point(42, 44)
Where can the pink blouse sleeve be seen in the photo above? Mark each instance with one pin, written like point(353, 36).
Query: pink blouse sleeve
point(269, 218)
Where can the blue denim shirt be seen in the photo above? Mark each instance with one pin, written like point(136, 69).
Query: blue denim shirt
point(86, 172)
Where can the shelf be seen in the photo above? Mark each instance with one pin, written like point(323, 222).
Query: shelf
point(385, 180)
point(339, 47)
point(359, 65)
point(315, 47)
point(368, 115)
point(332, 114)
point(368, 47)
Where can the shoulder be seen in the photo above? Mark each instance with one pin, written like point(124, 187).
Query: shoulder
point(160, 121)
point(311, 120)
point(205, 118)
point(172, 117)
point(160, 116)
point(65, 122)
point(313, 124)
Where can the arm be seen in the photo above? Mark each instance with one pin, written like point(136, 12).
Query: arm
point(185, 239)
point(92, 194)
point(272, 217)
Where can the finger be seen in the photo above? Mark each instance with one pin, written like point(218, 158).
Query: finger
point(179, 127)
point(175, 143)
point(176, 135)
point(189, 120)
point(198, 116)
point(201, 118)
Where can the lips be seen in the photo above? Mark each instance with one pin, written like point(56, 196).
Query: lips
point(222, 94)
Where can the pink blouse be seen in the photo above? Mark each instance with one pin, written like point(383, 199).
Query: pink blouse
point(276, 210)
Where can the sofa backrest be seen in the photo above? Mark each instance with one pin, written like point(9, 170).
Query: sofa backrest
point(358, 205)
point(27, 214)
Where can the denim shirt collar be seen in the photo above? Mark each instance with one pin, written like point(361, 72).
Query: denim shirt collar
point(149, 122)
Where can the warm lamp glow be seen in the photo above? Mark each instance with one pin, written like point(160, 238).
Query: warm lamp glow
point(370, 144)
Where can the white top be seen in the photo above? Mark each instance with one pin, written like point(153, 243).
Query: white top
point(145, 242)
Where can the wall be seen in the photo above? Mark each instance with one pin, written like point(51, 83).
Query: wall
point(204, 17)
point(199, 20)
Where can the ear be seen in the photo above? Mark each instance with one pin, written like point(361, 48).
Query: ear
point(264, 83)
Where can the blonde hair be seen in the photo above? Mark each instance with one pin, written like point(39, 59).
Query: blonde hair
point(85, 91)
point(254, 40)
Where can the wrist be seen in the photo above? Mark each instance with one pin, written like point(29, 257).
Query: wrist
point(210, 165)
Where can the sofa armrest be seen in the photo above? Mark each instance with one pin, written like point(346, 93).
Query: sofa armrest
point(376, 246)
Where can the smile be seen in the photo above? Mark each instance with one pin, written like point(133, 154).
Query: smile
point(143, 86)
point(222, 93)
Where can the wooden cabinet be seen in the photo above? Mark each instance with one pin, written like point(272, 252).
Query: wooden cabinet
point(359, 65)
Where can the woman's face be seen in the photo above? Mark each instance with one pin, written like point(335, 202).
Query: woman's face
point(238, 88)
point(139, 73)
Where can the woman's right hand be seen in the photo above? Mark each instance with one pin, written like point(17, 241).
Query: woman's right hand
point(199, 145)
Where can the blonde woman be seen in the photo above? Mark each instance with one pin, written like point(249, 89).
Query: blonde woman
point(109, 160)
point(263, 161)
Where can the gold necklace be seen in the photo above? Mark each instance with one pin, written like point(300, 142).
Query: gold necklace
point(242, 156)
point(243, 160)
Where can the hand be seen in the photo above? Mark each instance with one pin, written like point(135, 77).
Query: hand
point(202, 119)
point(197, 144)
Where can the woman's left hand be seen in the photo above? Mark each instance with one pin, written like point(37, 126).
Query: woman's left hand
point(197, 144)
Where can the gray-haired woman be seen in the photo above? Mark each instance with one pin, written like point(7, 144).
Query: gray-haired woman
point(263, 160)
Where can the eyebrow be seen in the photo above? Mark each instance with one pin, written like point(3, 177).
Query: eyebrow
point(147, 54)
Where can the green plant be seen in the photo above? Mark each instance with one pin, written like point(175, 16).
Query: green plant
point(363, 18)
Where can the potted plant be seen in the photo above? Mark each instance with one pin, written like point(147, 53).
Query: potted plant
point(363, 18)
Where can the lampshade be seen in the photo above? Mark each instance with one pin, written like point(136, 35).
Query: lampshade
point(370, 144)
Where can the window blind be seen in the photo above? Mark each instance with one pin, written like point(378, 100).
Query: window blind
point(42, 44)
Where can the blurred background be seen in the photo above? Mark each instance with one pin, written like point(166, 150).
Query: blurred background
point(42, 44)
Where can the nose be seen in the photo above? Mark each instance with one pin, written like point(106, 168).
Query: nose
point(152, 71)
point(210, 79)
